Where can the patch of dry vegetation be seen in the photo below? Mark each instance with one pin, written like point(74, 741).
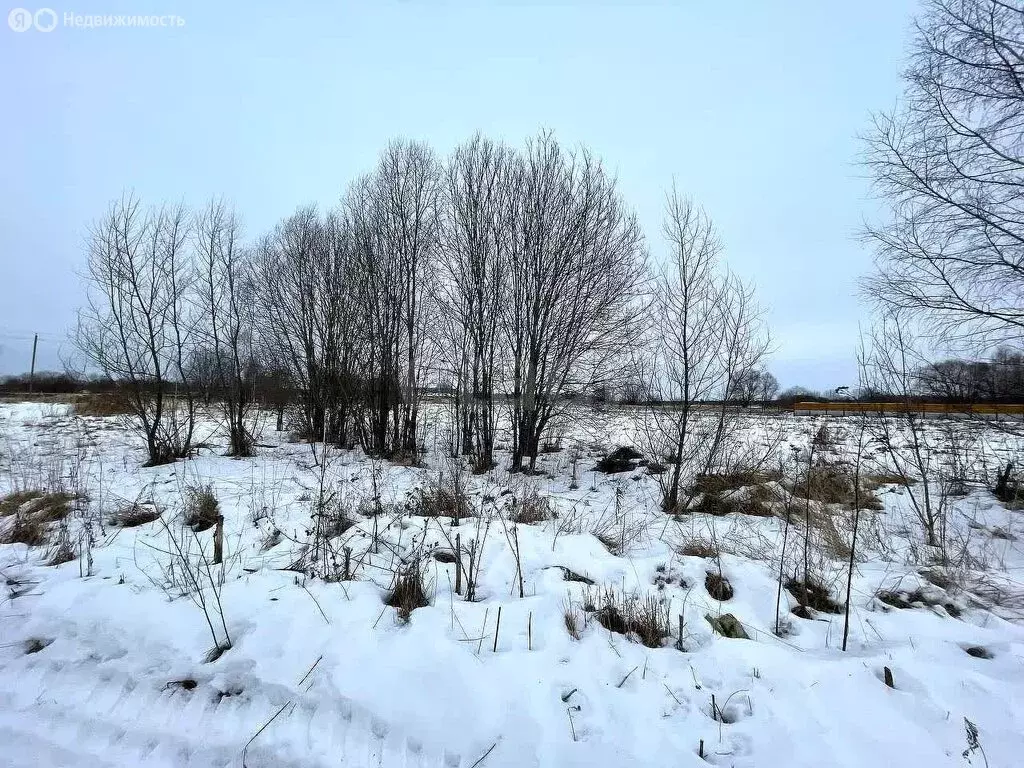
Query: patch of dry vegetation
point(102, 404)
point(409, 592)
point(443, 496)
point(698, 547)
point(531, 509)
point(645, 619)
point(202, 510)
point(31, 512)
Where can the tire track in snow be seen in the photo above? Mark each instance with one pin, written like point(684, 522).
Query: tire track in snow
point(86, 712)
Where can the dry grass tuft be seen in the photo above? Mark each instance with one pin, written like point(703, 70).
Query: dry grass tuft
point(531, 509)
point(444, 496)
point(62, 552)
point(718, 586)
point(133, 515)
point(32, 513)
point(572, 619)
point(202, 509)
point(645, 619)
point(13, 502)
point(409, 592)
point(102, 404)
point(698, 547)
point(811, 595)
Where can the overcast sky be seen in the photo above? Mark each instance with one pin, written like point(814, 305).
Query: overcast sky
point(754, 107)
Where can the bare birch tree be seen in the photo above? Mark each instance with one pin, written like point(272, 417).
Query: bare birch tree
point(137, 327)
point(707, 328)
point(226, 300)
point(471, 284)
point(576, 268)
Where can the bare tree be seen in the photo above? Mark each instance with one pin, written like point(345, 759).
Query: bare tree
point(137, 327)
point(707, 328)
point(307, 317)
point(890, 365)
point(471, 285)
point(575, 269)
point(226, 300)
point(950, 163)
point(754, 385)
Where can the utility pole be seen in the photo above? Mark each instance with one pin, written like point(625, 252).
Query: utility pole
point(32, 372)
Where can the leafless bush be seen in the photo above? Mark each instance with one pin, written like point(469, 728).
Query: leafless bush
point(409, 591)
point(202, 510)
point(530, 508)
point(645, 619)
point(698, 547)
point(133, 514)
point(185, 568)
point(443, 496)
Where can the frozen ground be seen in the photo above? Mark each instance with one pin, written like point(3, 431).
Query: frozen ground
point(104, 663)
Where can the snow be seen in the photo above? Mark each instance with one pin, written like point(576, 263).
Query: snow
point(323, 673)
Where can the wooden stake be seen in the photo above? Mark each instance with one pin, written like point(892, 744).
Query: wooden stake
point(497, 629)
point(218, 541)
point(529, 631)
point(458, 563)
point(888, 677)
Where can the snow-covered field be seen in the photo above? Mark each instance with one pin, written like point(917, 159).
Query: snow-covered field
point(103, 659)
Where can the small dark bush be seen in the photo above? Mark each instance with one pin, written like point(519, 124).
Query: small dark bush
point(718, 586)
point(443, 497)
point(646, 618)
point(134, 515)
point(202, 510)
point(408, 592)
point(624, 459)
point(532, 508)
point(812, 595)
point(978, 652)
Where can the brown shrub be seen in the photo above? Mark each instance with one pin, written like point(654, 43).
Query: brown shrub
point(442, 497)
point(698, 547)
point(647, 618)
point(812, 595)
point(32, 513)
point(718, 586)
point(833, 484)
point(13, 502)
point(133, 515)
point(202, 510)
point(532, 508)
point(408, 592)
point(24, 529)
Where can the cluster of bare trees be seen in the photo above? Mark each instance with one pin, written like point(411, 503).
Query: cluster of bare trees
point(949, 160)
point(515, 277)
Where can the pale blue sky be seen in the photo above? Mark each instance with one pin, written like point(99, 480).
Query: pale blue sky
point(753, 107)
